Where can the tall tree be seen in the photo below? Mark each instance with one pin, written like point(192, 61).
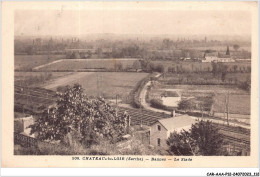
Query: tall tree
point(136, 65)
point(180, 143)
point(236, 47)
point(186, 105)
point(202, 139)
point(207, 138)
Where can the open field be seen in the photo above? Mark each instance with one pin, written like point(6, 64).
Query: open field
point(85, 64)
point(36, 78)
point(238, 103)
point(28, 62)
point(107, 84)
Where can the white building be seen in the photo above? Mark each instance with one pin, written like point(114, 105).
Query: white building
point(225, 60)
point(21, 125)
point(160, 130)
point(218, 57)
point(210, 57)
point(170, 98)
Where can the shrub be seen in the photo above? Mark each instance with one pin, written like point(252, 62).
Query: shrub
point(186, 105)
point(156, 103)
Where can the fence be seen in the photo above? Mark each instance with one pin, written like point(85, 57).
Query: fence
point(23, 140)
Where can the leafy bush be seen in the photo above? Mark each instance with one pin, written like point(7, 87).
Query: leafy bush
point(92, 119)
point(186, 105)
point(246, 85)
point(156, 103)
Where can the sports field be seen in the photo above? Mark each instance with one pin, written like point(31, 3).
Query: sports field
point(106, 84)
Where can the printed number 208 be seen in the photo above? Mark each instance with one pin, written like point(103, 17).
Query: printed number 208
point(75, 158)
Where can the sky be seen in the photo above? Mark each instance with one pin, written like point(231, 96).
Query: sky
point(82, 22)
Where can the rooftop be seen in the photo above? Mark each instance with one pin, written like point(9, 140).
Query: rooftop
point(177, 122)
point(170, 94)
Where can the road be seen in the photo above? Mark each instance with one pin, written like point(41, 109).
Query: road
point(147, 105)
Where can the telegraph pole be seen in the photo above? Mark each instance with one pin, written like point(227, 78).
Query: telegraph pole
point(141, 112)
point(116, 104)
point(227, 106)
point(99, 80)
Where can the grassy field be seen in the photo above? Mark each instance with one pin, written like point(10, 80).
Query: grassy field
point(84, 64)
point(27, 62)
point(107, 84)
point(238, 103)
point(36, 78)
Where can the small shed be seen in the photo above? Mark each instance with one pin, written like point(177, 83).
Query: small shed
point(22, 125)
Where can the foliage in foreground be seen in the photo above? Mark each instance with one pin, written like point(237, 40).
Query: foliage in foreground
point(91, 119)
point(202, 139)
point(129, 147)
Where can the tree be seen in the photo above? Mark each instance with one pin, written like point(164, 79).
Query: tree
point(29, 50)
point(92, 120)
point(219, 68)
point(99, 52)
point(166, 43)
point(236, 47)
point(179, 143)
point(118, 66)
point(235, 68)
point(145, 65)
point(223, 70)
point(186, 105)
point(160, 68)
point(246, 85)
point(202, 139)
point(136, 65)
point(206, 138)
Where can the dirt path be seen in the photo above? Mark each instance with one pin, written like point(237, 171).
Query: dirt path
point(66, 79)
point(143, 101)
point(41, 66)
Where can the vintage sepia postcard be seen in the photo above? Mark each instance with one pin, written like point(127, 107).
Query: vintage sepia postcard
point(130, 84)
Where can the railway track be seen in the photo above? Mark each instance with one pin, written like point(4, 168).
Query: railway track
point(142, 117)
point(33, 99)
point(233, 129)
point(236, 140)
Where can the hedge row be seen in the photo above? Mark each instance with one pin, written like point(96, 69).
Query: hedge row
point(156, 103)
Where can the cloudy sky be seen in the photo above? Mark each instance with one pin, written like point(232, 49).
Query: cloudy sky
point(54, 22)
